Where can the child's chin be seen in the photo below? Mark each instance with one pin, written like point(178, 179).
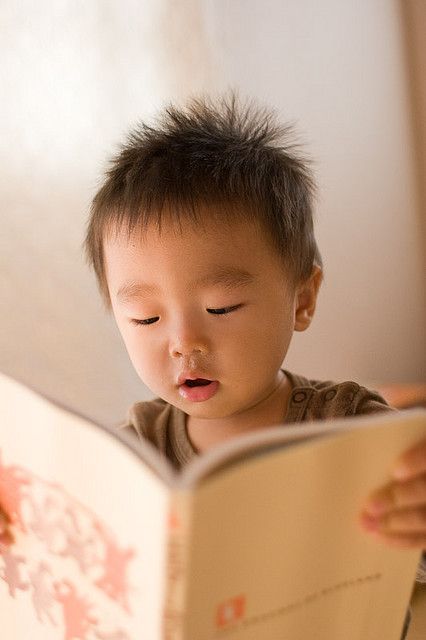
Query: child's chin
point(208, 410)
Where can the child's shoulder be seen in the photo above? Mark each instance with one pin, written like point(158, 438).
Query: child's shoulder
point(150, 420)
point(320, 400)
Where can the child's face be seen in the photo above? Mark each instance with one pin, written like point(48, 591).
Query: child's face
point(242, 350)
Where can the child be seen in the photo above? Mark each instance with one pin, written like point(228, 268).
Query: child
point(202, 241)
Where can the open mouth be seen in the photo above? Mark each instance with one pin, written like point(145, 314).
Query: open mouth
point(199, 382)
point(198, 390)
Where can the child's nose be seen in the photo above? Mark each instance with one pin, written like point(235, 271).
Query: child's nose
point(188, 341)
point(186, 348)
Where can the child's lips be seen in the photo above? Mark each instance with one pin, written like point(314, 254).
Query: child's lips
point(191, 375)
point(199, 393)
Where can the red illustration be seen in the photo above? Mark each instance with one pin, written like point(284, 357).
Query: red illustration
point(61, 539)
point(42, 598)
point(76, 611)
point(10, 572)
point(13, 483)
point(113, 580)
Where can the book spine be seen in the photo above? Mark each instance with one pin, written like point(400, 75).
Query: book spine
point(177, 565)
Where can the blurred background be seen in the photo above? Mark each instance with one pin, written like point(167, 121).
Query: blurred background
point(76, 75)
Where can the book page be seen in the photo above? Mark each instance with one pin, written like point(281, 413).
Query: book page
point(276, 552)
point(90, 523)
point(247, 445)
point(240, 448)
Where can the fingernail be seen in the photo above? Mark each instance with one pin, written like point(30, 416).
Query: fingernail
point(401, 472)
point(369, 522)
point(376, 507)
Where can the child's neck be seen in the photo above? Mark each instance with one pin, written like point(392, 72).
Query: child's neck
point(205, 433)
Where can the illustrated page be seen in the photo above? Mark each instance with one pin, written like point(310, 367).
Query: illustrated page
point(89, 521)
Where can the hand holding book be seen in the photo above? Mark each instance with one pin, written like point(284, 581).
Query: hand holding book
point(396, 512)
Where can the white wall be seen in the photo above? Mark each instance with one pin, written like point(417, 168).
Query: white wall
point(76, 75)
point(338, 70)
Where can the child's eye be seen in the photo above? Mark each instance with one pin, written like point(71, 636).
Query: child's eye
point(225, 309)
point(214, 311)
point(147, 321)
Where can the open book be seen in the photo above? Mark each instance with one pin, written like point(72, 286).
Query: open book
point(256, 538)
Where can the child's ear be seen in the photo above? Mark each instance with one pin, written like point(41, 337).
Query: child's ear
point(306, 299)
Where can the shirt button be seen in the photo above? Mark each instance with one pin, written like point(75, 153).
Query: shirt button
point(330, 394)
point(300, 396)
point(348, 398)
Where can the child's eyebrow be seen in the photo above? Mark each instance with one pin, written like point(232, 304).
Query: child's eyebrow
point(226, 276)
point(229, 277)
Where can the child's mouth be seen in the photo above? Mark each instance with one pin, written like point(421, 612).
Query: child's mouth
point(198, 382)
point(198, 390)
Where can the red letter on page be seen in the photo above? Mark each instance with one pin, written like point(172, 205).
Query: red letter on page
point(230, 611)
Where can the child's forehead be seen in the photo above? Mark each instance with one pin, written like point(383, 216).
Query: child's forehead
point(235, 253)
point(200, 248)
point(203, 229)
